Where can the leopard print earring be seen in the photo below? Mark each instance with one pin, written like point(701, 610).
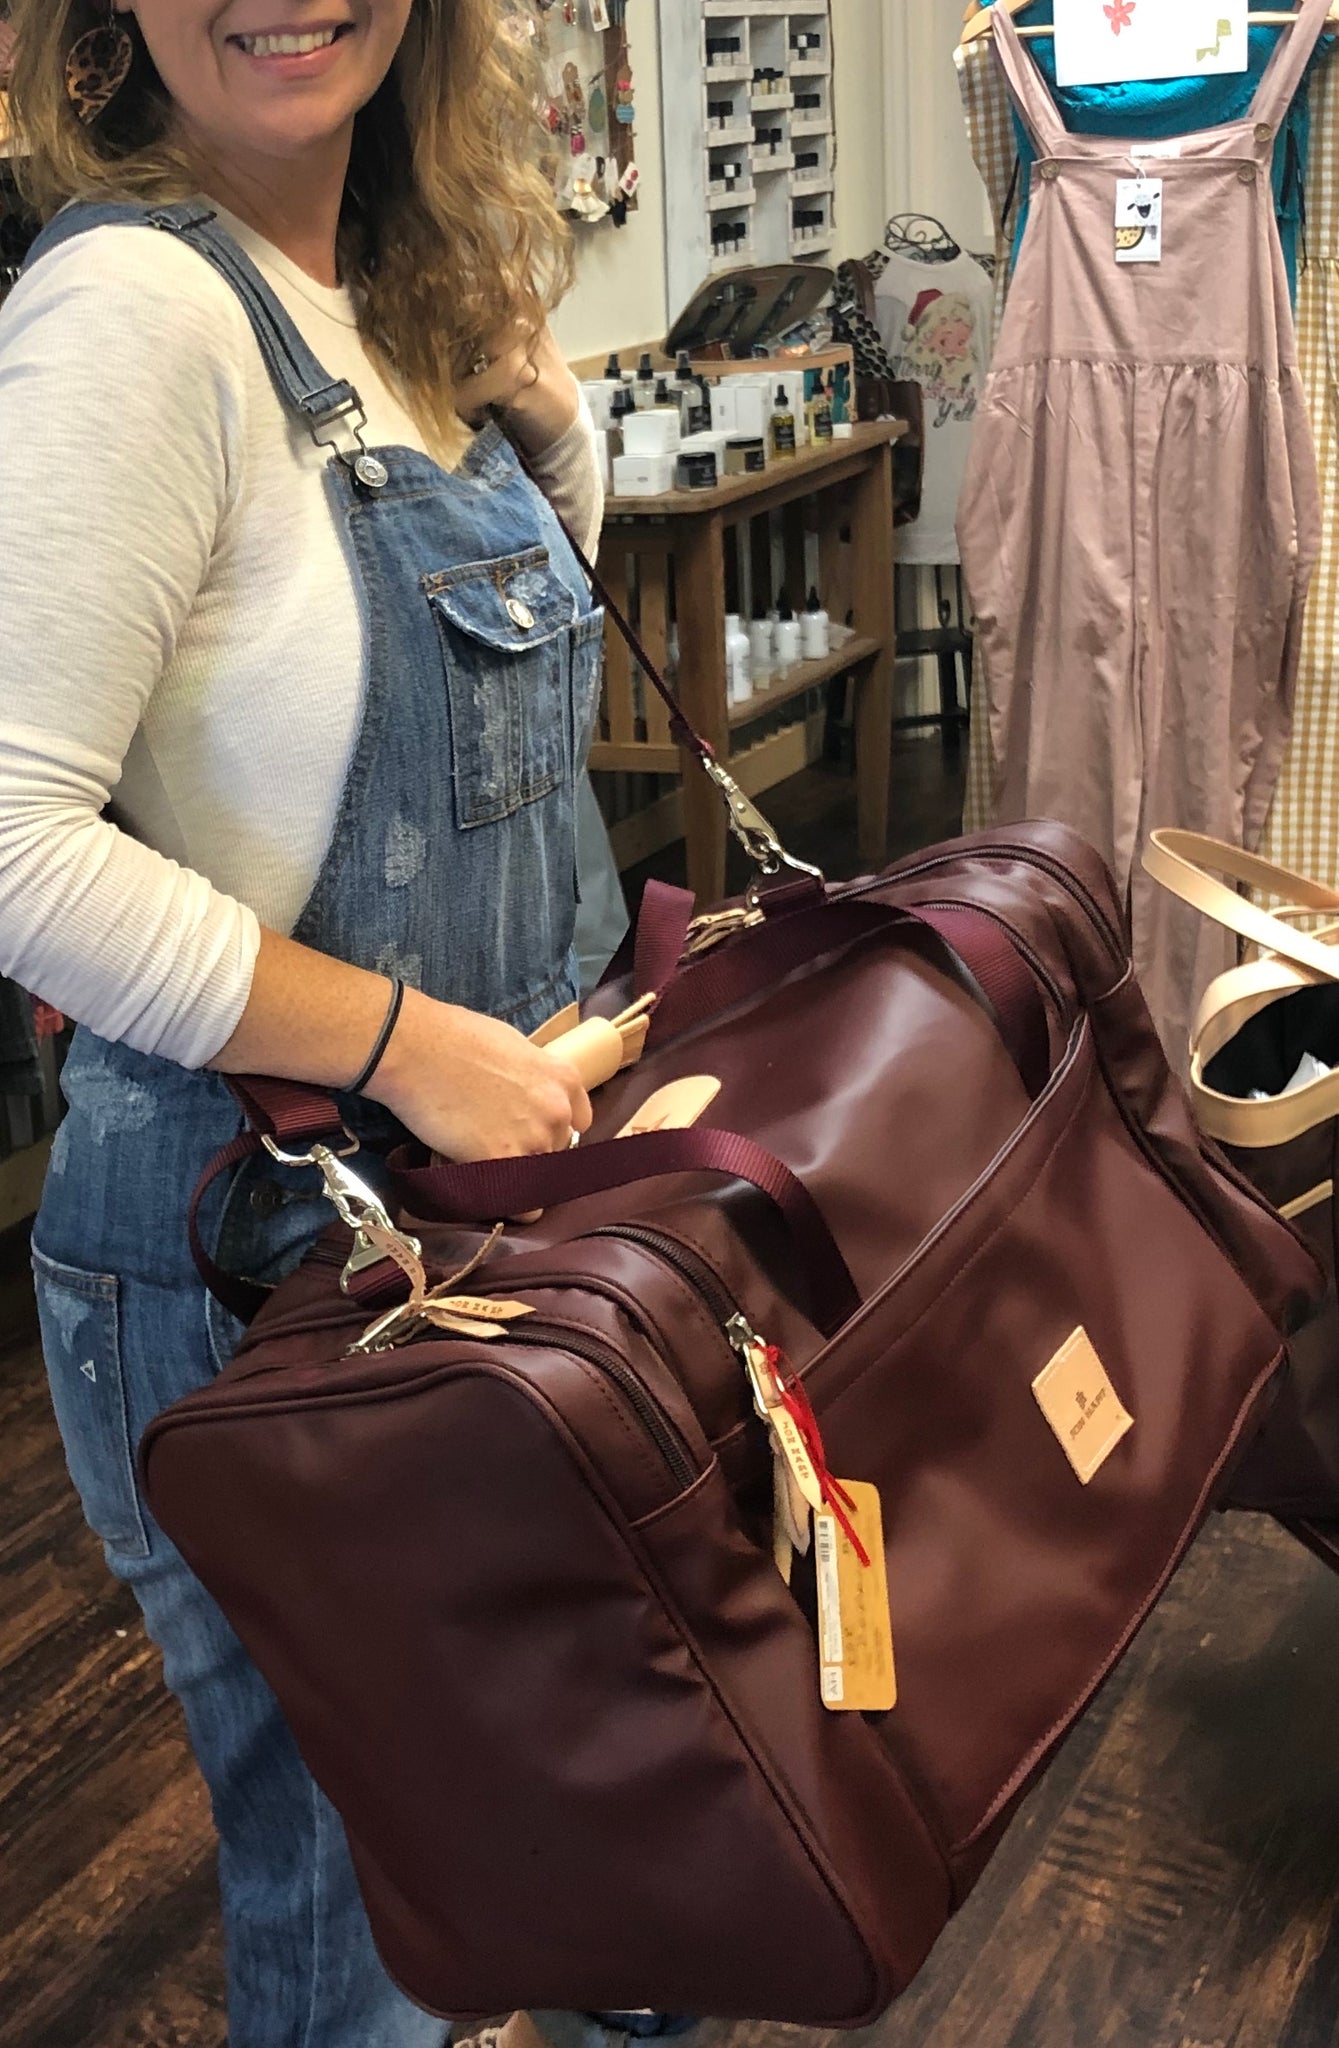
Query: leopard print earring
point(98, 66)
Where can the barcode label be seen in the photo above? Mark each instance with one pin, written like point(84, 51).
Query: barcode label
point(829, 1588)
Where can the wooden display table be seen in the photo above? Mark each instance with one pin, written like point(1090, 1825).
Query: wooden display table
point(658, 552)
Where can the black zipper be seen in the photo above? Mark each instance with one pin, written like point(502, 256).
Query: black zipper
point(664, 1433)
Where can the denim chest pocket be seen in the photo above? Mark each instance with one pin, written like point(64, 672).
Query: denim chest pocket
point(509, 631)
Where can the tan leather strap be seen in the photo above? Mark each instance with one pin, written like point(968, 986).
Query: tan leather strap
point(1189, 864)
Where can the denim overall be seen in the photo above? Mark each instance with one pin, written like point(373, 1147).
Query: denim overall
point(452, 863)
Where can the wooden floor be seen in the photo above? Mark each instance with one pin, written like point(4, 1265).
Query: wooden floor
point(1173, 1882)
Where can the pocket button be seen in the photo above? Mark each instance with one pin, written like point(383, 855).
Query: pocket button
point(520, 614)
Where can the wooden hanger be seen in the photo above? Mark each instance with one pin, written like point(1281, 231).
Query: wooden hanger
point(977, 21)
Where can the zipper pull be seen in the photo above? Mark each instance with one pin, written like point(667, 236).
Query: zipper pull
point(783, 1404)
point(795, 1489)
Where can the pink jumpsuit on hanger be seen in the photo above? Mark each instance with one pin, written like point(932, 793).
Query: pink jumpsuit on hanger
point(1140, 515)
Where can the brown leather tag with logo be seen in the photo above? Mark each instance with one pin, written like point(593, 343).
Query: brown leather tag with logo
point(1082, 1407)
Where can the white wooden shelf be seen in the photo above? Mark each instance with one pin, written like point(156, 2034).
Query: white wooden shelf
point(764, 29)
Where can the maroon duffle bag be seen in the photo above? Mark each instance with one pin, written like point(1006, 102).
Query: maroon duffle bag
point(513, 1578)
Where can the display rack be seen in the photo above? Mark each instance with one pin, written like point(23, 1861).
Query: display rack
point(750, 145)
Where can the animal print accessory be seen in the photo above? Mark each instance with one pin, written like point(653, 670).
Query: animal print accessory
point(98, 66)
point(851, 320)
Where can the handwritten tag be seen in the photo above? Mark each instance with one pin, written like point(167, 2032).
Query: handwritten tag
point(1121, 42)
point(855, 1624)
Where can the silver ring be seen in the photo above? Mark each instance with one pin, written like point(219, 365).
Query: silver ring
point(574, 1141)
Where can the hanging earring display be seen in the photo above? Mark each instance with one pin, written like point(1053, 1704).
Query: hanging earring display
point(98, 66)
point(587, 104)
point(572, 87)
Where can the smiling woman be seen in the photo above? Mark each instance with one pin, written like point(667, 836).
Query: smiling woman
point(297, 680)
point(447, 233)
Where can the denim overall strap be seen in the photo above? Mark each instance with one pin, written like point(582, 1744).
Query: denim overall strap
point(305, 387)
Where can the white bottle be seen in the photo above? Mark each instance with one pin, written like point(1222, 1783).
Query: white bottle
point(787, 639)
point(762, 642)
point(815, 640)
point(738, 664)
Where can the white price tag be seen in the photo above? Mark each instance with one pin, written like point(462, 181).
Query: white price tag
point(1139, 220)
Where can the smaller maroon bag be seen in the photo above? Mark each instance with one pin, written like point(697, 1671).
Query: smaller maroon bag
point(513, 1581)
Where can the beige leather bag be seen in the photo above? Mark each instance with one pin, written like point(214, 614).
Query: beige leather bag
point(1254, 1026)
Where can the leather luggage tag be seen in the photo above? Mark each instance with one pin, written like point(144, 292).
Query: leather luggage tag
point(675, 1107)
point(481, 1308)
point(1082, 1407)
point(855, 1626)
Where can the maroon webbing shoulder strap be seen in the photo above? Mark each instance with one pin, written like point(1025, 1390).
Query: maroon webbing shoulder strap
point(512, 1187)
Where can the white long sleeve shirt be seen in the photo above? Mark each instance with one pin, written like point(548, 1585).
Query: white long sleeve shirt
point(180, 630)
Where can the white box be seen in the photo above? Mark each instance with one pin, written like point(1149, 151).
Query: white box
point(654, 432)
point(741, 406)
point(643, 476)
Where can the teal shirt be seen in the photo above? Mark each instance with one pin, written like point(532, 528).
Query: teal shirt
point(1159, 109)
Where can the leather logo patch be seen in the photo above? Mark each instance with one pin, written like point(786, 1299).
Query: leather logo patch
point(1081, 1405)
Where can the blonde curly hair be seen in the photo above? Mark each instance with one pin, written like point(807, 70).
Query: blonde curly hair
point(449, 232)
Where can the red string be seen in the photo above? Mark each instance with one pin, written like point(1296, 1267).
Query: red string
point(801, 1411)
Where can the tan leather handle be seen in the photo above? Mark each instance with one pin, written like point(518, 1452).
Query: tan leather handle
point(1189, 864)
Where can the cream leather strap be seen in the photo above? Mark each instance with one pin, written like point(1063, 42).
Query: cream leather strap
point(1189, 864)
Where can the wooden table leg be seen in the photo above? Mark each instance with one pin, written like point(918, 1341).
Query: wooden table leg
point(875, 614)
point(699, 583)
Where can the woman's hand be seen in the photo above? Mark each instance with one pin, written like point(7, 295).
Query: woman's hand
point(529, 383)
point(472, 1088)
